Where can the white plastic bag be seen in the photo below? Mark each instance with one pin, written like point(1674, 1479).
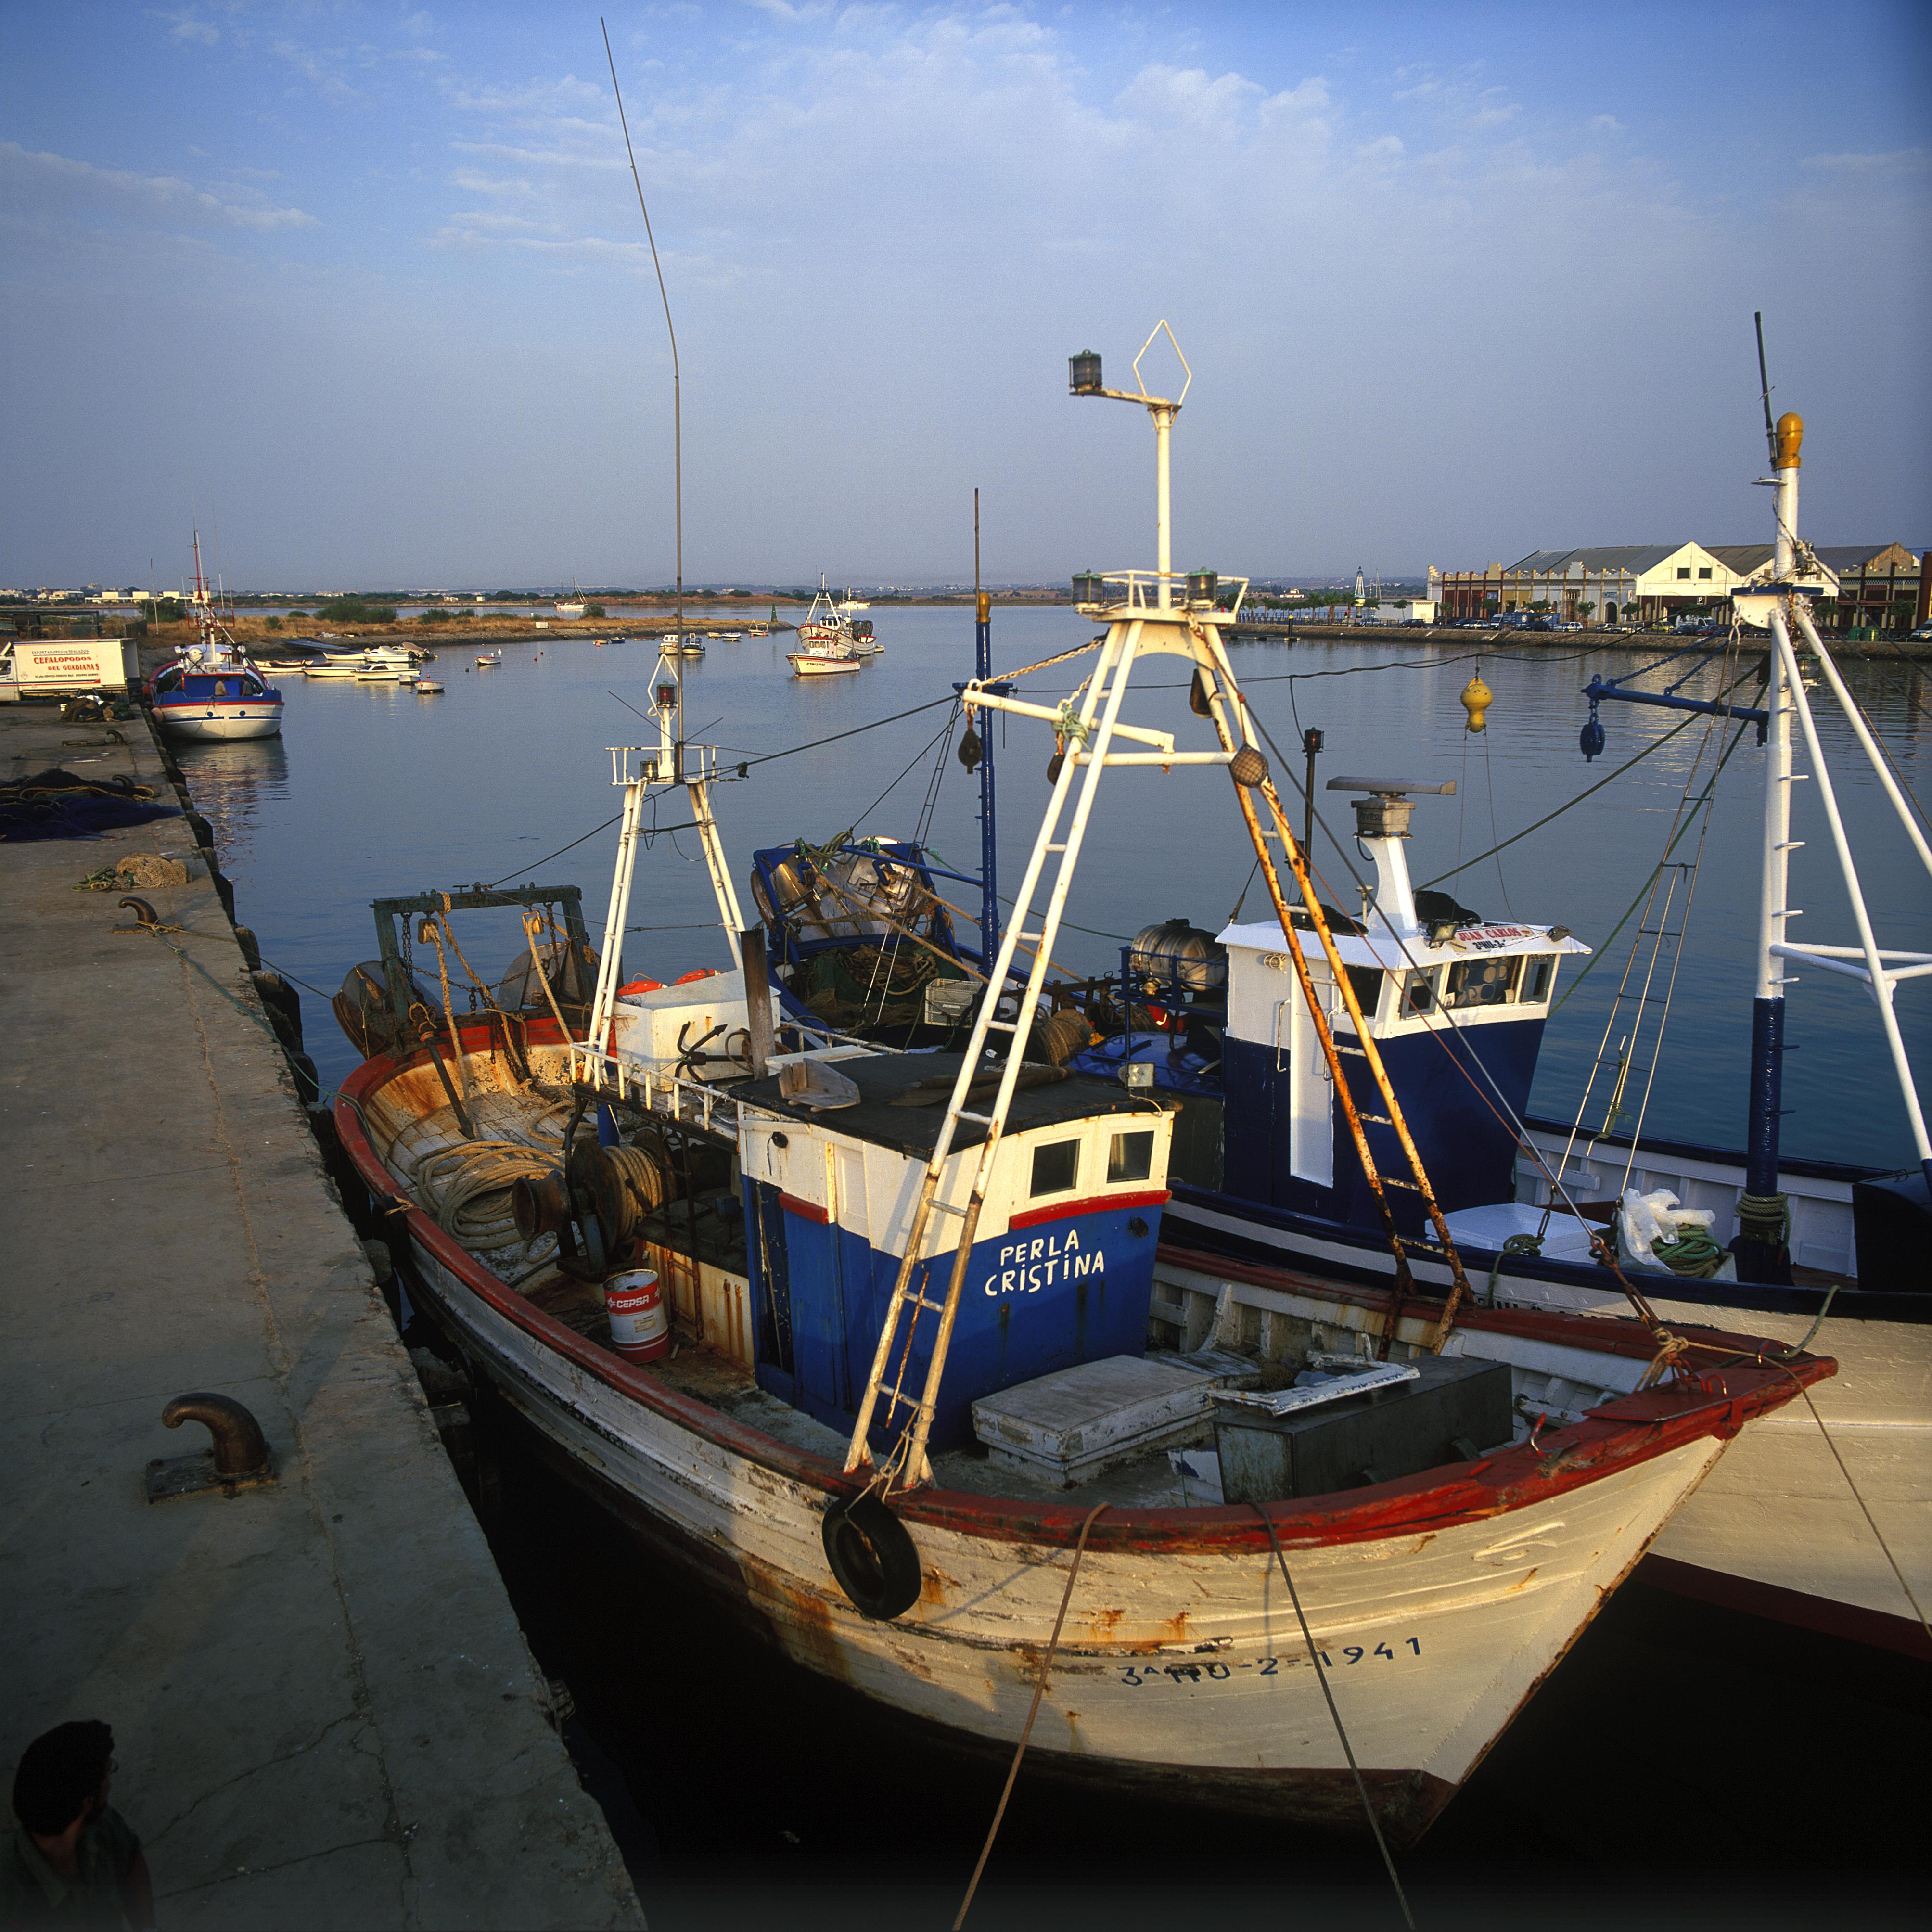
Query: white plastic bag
point(1645, 1219)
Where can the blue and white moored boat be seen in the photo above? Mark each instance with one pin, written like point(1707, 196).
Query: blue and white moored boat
point(213, 691)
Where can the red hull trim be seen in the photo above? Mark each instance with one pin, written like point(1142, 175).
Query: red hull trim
point(1776, 1604)
point(1094, 1204)
point(1631, 1430)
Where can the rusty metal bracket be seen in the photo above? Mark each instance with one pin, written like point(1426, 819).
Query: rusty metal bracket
point(238, 1460)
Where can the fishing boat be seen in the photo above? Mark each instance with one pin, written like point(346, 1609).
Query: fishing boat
point(849, 606)
point(1287, 1152)
point(857, 1340)
point(1287, 1157)
point(213, 691)
point(490, 660)
point(826, 648)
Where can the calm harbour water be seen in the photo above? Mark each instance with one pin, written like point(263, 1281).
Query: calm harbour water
point(1661, 1773)
point(373, 790)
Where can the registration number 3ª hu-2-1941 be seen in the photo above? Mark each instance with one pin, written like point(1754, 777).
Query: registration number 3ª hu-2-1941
point(1346, 1655)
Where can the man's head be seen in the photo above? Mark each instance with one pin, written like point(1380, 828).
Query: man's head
point(63, 1776)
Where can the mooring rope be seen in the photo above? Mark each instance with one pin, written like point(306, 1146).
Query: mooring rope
point(1858, 1495)
point(1348, 1750)
point(1039, 1690)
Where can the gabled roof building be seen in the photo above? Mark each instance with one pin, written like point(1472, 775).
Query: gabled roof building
point(1862, 586)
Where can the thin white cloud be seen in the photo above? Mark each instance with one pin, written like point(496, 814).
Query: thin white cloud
point(1900, 162)
point(193, 28)
point(32, 170)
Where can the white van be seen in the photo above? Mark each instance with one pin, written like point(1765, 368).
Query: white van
point(59, 666)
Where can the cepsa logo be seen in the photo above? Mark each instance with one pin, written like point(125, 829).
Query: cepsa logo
point(1040, 1263)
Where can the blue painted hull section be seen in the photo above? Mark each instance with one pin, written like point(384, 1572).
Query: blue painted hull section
point(1044, 1298)
point(1278, 1238)
point(1467, 1145)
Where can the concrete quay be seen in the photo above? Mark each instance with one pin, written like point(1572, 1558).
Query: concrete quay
point(324, 1713)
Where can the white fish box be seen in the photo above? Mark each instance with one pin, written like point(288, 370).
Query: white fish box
point(1566, 1239)
point(657, 1028)
point(1078, 1423)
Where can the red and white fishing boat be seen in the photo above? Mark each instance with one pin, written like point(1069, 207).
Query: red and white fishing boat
point(859, 1341)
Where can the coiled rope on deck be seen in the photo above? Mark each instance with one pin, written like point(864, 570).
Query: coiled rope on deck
point(467, 1189)
point(466, 1186)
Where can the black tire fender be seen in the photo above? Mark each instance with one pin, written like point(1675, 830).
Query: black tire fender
point(872, 1556)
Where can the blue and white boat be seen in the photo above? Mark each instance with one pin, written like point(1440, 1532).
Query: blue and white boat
point(213, 691)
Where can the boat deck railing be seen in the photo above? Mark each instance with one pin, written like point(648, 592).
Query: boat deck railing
point(1140, 593)
point(711, 1108)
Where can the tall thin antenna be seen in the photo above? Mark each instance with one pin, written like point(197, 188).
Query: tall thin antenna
point(976, 543)
point(1764, 388)
point(677, 387)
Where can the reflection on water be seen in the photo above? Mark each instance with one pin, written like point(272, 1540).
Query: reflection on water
point(376, 790)
point(234, 786)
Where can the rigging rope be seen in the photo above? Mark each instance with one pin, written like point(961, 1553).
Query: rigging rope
point(1655, 745)
point(1688, 1258)
point(1499, 1108)
point(1583, 972)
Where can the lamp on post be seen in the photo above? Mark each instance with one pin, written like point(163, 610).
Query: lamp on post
point(1084, 379)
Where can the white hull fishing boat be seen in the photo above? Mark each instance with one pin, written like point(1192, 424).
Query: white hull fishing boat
point(213, 692)
point(859, 1340)
point(827, 646)
point(810, 663)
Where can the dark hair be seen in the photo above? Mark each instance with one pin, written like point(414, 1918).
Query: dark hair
point(59, 1771)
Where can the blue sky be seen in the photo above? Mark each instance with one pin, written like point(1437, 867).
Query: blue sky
point(366, 285)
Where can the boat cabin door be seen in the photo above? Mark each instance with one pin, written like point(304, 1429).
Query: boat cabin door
point(1311, 1089)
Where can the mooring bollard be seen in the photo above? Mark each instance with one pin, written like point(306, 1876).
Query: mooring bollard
point(237, 1460)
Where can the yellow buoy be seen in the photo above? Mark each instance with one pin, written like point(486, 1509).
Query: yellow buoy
point(1477, 699)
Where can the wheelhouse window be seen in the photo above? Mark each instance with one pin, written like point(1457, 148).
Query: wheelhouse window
point(1130, 1157)
point(1418, 993)
point(1367, 982)
point(1539, 973)
point(1056, 1167)
point(1481, 982)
